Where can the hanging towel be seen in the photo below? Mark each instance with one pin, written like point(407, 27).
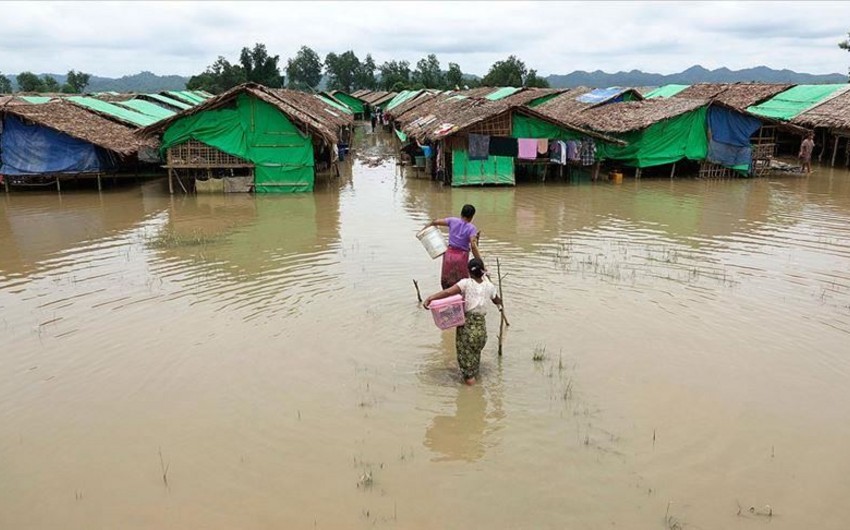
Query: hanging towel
point(503, 146)
point(426, 151)
point(542, 146)
point(527, 148)
point(572, 151)
point(563, 152)
point(479, 147)
point(555, 152)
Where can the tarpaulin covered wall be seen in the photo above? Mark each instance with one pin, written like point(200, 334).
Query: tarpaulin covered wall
point(665, 142)
point(258, 132)
point(494, 170)
point(787, 105)
point(729, 134)
point(34, 149)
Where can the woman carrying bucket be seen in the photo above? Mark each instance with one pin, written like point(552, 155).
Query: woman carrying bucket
point(463, 237)
point(472, 335)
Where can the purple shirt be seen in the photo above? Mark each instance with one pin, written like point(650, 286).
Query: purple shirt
point(460, 233)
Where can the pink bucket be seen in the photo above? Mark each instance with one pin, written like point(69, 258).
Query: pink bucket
point(448, 312)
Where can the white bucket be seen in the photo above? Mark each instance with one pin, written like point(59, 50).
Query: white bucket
point(433, 241)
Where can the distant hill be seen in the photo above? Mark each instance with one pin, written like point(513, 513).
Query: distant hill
point(694, 74)
point(141, 82)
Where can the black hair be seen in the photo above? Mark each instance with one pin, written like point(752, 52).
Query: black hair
point(468, 211)
point(476, 268)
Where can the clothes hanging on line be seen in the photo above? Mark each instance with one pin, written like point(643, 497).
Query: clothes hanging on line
point(588, 152)
point(542, 146)
point(555, 152)
point(479, 147)
point(572, 151)
point(527, 148)
point(503, 146)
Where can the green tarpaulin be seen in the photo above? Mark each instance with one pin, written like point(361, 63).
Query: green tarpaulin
point(338, 106)
point(146, 107)
point(787, 105)
point(355, 104)
point(662, 143)
point(401, 135)
point(35, 99)
point(494, 170)
point(186, 96)
point(258, 132)
point(170, 101)
point(501, 93)
point(530, 127)
point(543, 99)
point(122, 113)
point(666, 91)
point(403, 96)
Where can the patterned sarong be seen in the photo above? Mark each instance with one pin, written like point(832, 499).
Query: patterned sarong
point(469, 341)
point(455, 267)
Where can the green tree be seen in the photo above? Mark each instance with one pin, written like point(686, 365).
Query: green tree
point(454, 77)
point(51, 84)
point(510, 72)
point(533, 80)
point(5, 85)
point(218, 77)
point(304, 72)
point(77, 81)
point(395, 73)
point(341, 70)
point(260, 67)
point(365, 76)
point(29, 82)
point(428, 72)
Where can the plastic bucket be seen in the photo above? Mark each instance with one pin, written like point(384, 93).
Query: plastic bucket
point(420, 161)
point(433, 241)
point(448, 312)
point(616, 176)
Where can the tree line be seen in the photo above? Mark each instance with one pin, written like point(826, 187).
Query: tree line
point(346, 72)
point(75, 83)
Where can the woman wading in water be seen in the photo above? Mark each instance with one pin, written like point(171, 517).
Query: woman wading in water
point(472, 336)
point(463, 237)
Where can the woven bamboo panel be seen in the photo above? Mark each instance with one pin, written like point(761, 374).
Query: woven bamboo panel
point(499, 125)
point(708, 170)
point(194, 154)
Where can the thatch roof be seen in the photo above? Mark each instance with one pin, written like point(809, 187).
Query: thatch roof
point(623, 117)
point(373, 97)
point(410, 104)
point(565, 106)
point(834, 113)
point(357, 93)
point(527, 95)
point(11, 100)
point(307, 111)
point(444, 115)
point(79, 123)
point(383, 100)
point(738, 95)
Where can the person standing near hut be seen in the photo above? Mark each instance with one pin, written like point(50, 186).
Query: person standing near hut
point(806, 149)
point(463, 238)
point(374, 118)
point(472, 336)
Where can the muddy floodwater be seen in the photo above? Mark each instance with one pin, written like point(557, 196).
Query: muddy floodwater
point(260, 362)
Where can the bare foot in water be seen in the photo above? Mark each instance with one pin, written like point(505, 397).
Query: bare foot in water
point(470, 381)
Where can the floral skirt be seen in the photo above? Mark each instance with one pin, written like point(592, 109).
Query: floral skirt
point(455, 267)
point(470, 341)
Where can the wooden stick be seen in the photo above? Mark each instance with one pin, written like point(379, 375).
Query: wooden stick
point(418, 294)
point(499, 273)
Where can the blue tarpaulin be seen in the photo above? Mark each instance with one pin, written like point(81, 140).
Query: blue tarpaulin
point(734, 156)
point(599, 95)
point(730, 127)
point(34, 149)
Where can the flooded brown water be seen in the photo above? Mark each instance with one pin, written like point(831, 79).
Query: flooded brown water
point(261, 362)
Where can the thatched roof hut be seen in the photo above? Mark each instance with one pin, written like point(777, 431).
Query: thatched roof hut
point(634, 115)
point(738, 95)
point(76, 122)
point(833, 114)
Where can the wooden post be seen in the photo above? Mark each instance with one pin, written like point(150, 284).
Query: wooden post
point(834, 151)
point(673, 170)
point(6, 183)
point(170, 183)
point(637, 173)
point(418, 294)
point(504, 321)
point(596, 167)
point(99, 187)
point(58, 186)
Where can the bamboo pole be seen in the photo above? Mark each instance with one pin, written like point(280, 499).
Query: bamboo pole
point(418, 294)
point(834, 151)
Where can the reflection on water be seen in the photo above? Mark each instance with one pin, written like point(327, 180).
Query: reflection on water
point(272, 351)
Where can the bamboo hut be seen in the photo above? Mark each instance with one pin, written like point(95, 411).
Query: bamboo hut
point(447, 129)
point(46, 143)
point(831, 122)
point(252, 138)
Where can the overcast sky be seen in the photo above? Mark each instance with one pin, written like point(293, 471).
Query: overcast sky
point(116, 38)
